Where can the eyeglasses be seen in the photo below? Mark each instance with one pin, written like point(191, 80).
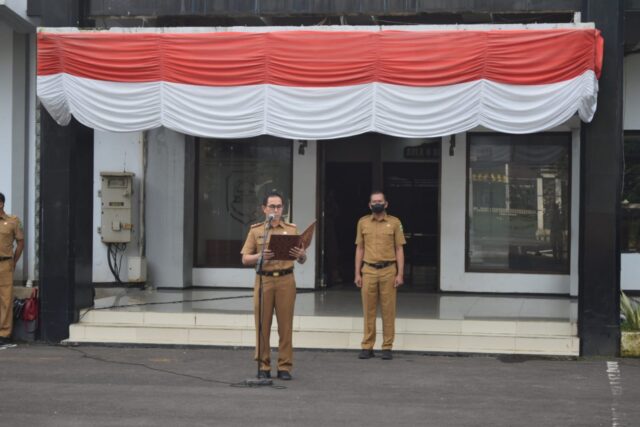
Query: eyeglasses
point(274, 207)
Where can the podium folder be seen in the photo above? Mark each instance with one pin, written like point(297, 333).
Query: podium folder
point(280, 244)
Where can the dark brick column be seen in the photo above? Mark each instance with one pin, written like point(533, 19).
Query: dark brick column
point(66, 200)
point(601, 171)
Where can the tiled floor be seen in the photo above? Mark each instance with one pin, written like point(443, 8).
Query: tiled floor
point(346, 303)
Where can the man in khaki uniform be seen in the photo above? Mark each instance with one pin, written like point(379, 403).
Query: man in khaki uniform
point(10, 231)
point(379, 267)
point(279, 287)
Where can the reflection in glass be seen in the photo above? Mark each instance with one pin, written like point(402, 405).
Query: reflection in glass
point(630, 235)
point(232, 178)
point(518, 203)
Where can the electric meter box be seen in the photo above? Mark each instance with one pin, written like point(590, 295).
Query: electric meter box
point(116, 192)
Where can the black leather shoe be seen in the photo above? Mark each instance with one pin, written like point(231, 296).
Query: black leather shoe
point(284, 375)
point(386, 355)
point(366, 354)
point(264, 374)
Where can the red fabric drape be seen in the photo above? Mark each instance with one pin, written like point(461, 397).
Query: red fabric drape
point(324, 58)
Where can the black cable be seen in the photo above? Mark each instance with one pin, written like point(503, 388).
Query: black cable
point(122, 247)
point(112, 261)
point(165, 371)
point(301, 291)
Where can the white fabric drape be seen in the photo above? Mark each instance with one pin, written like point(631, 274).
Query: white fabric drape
point(317, 113)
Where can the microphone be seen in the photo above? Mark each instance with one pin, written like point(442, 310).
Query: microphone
point(269, 219)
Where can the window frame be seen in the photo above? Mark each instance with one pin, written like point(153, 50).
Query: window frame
point(538, 139)
point(632, 133)
point(287, 193)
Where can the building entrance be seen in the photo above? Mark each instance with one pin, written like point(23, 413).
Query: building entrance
point(408, 171)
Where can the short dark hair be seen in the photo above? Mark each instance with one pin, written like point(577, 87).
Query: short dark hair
point(272, 193)
point(374, 192)
point(1, 197)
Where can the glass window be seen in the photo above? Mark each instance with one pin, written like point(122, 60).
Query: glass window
point(232, 178)
point(631, 194)
point(518, 203)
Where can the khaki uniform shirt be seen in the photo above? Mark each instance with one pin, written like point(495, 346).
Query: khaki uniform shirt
point(379, 238)
point(254, 243)
point(10, 231)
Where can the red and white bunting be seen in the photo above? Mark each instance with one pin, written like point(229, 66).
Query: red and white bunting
point(321, 84)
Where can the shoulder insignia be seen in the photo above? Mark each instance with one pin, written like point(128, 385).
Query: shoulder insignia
point(257, 225)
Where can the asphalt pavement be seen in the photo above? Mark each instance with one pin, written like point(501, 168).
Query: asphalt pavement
point(43, 385)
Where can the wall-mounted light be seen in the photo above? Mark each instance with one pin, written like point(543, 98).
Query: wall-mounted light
point(301, 147)
point(452, 144)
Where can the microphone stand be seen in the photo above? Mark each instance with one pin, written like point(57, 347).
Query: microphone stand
point(261, 381)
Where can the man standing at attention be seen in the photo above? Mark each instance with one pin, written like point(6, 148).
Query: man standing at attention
point(379, 267)
point(278, 284)
point(10, 231)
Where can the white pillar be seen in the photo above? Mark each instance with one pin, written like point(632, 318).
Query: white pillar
point(169, 210)
point(304, 205)
point(13, 128)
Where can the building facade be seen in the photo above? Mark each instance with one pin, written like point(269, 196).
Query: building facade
point(483, 211)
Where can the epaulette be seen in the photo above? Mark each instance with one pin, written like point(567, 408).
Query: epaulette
point(257, 225)
point(290, 224)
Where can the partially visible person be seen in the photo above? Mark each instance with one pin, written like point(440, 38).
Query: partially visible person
point(10, 233)
point(379, 271)
point(278, 284)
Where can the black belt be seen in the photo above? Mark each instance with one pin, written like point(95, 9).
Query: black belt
point(276, 273)
point(380, 265)
point(5, 258)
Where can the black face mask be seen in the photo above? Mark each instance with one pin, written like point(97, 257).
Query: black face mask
point(377, 208)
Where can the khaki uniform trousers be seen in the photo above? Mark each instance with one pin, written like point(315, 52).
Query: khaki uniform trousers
point(6, 298)
point(377, 285)
point(279, 294)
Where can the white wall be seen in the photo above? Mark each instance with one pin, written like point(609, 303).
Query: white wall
point(115, 152)
point(630, 274)
point(167, 222)
point(452, 240)
point(6, 115)
point(14, 135)
point(17, 123)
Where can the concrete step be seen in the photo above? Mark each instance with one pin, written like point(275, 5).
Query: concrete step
point(324, 332)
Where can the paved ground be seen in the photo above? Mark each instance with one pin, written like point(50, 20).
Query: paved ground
point(123, 386)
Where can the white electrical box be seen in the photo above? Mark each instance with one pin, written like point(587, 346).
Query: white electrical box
point(116, 192)
point(137, 269)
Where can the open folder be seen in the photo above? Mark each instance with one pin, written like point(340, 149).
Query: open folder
point(281, 244)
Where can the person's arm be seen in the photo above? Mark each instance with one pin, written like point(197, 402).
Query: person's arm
point(250, 253)
point(252, 259)
point(358, 265)
point(18, 253)
point(400, 265)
